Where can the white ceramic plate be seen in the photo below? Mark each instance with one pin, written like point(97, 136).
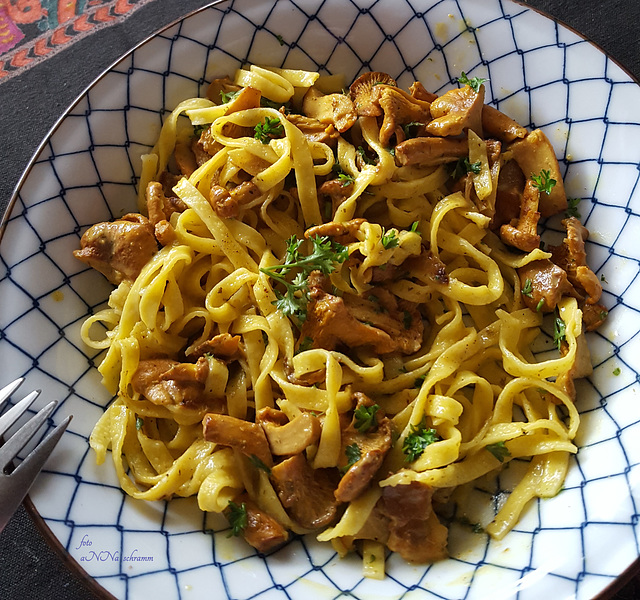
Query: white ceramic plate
point(543, 75)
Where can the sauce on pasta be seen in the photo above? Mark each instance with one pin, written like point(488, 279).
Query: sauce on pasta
point(331, 312)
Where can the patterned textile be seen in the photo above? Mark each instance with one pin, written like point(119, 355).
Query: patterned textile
point(33, 30)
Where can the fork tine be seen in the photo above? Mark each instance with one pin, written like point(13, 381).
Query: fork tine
point(32, 464)
point(15, 412)
point(20, 439)
point(22, 477)
point(7, 390)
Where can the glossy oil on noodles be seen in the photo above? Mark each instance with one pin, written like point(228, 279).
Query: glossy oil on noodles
point(330, 312)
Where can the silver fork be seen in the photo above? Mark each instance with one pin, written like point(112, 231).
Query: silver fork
point(14, 485)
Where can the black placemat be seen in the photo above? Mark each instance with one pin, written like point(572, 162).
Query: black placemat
point(33, 101)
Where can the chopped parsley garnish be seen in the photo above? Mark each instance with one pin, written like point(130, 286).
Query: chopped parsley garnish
point(237, 518)
point(198, 130)
point(527, 290)
point(407, 127)
point(617, 371)
point(572, 208)
point(365, 158)
point(346, 179)
point(540, 305)
point(353, 454)
point(259, 464)
point(280, 39)
point(343, 177)
point(603, 278)
point(474, 83)
point(499, 450)
point(419, 381)
point(416, 442)
point(390, 239)
point(305, 344)
point(364, 418)
point(268, 130)
point(414, 226)
point(139, 423)
point(266, 103)
point(228, 96)
point(325, 254)
point(543, 182)
point(463, 166)
point(559, 331)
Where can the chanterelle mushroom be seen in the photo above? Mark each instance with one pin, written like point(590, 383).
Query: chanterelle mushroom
point(456, 111)
point(535, 154)
point(334, 109)
point(400, 109)
point(288, 438)
point(523, 232)
point(364, 94)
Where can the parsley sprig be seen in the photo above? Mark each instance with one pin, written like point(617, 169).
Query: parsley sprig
point(559, 331)
point(572, 207)
point(390, 239)
point(527, 289)
point(237, 518)
point(229, 96)
point(474, 83)
point(324, 256)
point(416, 442)
point(463, 166)
point(544, 182)
point(499, 450)
point(364, 418)
point(353, 454)
point(269, 129)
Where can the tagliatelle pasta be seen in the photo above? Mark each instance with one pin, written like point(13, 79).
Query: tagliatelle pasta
point(331, 313)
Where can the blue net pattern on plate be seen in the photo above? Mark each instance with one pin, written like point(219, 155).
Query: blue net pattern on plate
point(540, 74)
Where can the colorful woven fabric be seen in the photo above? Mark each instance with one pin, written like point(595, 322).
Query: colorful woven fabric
point(33, 30)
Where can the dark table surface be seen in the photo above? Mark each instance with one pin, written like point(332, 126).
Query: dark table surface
point(33, 101)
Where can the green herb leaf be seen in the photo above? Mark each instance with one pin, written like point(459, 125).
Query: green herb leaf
point(346, 179)
point(237, 518)
point(474, 83)
point(259, 464)
point(463, 166)
point(603, 278)
point(365, 418)
point(527, 290)
point(280, 39)
point(414, 226)
point(540, 305)
point(499, 450)
point(617, 371)
point(390, 239)
point(419, 381)
point(572, 208)
point(559, 331)
point(198, 130)
point(365, 158)
point(228, 96)
point(543, 182)
point(269, 129)
point(325, 254)
point(407, 128)
point(305, 344)
point(139, 423)
point(353, 454)
point(418, 439)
